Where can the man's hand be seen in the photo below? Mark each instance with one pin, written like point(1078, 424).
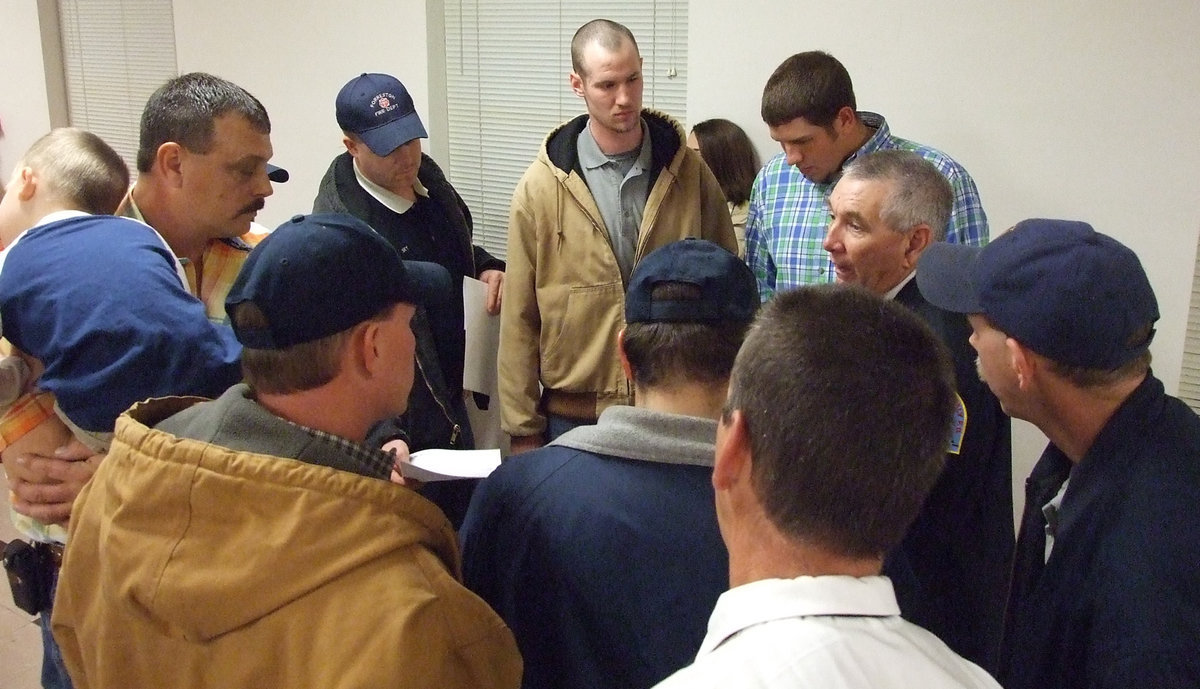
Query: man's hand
point(45, 488)
point(399, 450)
point(525, 443)
point(494, 279)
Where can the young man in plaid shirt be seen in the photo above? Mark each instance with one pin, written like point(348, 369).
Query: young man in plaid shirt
point(809, 106)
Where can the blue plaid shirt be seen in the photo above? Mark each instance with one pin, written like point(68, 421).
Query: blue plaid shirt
point(789, 214)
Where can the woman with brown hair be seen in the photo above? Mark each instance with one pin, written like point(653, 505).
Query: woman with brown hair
point(734, 161)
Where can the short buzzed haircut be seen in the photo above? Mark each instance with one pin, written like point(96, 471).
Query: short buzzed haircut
point(79, 170)
point(918, 193)
point(184, 110)
point(812, 85)
point(848, 401)
point(609, 34)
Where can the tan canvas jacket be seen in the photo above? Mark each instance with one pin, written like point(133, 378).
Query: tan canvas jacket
point(564, 299)
point(191, 565)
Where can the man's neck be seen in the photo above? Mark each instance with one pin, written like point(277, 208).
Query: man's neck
point(891, 292)
point(407, 193)
point(858, 136)
point(612, 143)
point(760, 551)
point(314, 409)
point(155, 210)
point(689, 399)
point(1073, 417)
point(854, 139)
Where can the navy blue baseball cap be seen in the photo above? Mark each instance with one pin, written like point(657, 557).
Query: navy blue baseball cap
point(1067, 292)
point(728, 290)
point(277, 174)
point(378, 109)
point(317, 275)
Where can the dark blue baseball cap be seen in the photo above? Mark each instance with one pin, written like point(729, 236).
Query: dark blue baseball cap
point(1060, 288)
point(317, 275)
point(728, 290)
point(378, 109)
point(277, 174)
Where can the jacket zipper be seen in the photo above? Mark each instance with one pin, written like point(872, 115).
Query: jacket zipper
point(455, 430)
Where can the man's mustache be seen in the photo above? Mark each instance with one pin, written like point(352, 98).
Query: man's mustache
point(253, 207)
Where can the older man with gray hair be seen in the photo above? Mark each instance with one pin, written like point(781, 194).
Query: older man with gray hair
point(951, 571)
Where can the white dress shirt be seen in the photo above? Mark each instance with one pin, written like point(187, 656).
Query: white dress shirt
point(827, 632)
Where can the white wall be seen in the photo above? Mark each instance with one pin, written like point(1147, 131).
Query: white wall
point(1058, 109)
point(294, 56)
point(25, 109)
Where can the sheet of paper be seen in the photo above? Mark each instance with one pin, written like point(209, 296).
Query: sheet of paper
point(444, 465)
point(483, 338)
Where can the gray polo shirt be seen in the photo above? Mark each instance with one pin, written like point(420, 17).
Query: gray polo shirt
point(619, 184)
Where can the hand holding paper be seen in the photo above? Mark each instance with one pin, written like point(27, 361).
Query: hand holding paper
point(445, 465)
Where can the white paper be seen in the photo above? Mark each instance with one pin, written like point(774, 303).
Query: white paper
point(483, 338)
point(444, 465)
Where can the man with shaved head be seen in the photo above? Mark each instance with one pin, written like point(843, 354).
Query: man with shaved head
point(607, 188)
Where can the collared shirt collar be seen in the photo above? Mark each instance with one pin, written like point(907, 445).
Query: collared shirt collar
point(134, 211)
point(591, 157)
point(775, 599)
point(371, 462)
point(1050, 512)
point(392, 201)
point(891, 294)
point(875, 142)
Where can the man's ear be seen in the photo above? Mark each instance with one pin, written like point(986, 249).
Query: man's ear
point(918, 240)
point(576, 83)
point(362, 353)
point(844, 119)
point(731, 461)
point(625, 367)
point(168, 162)
point(350, 144)
point(1023, 363)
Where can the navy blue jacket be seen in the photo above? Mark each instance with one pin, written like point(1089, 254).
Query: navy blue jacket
point(606, 569)
point(1118, 602)
point(951, 571)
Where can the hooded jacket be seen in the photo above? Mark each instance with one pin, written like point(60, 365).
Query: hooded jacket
point(564, 297)
point(194, 565)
